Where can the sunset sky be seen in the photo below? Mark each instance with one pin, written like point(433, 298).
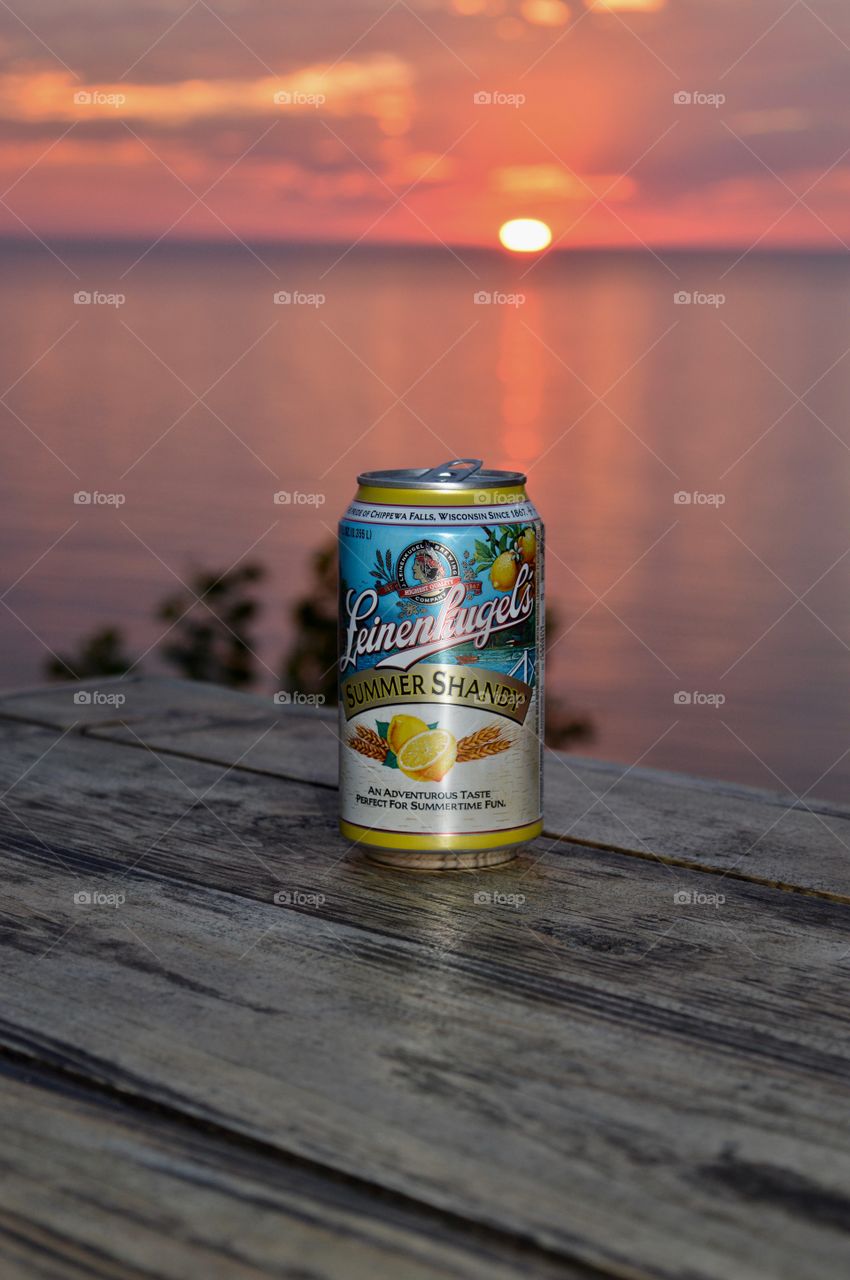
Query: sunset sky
point(428, 121)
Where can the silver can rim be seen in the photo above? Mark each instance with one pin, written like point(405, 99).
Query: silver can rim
point(424, 478)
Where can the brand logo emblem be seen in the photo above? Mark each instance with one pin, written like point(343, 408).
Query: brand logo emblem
point(426, 572)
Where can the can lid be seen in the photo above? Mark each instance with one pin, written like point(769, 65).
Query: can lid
point(458, 473)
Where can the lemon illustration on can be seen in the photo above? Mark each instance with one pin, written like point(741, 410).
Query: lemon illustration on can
point(428, 756)
point(504, 571)
point(401, 729)
point(526, 545)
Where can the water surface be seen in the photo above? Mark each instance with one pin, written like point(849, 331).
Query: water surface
point(610, 394)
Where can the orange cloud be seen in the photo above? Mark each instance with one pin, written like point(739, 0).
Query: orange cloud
point(545, 13)
point(379, 86)
point(550, 180)
point(634, 6)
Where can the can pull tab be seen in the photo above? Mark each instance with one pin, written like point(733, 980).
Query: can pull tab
point(456, 469)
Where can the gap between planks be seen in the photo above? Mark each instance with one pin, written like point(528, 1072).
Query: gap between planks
point(687, 864)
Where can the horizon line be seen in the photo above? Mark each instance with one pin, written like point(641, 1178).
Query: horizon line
point(407, 246)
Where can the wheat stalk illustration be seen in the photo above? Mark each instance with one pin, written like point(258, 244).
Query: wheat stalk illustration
point(484, 742)
point(369, 743)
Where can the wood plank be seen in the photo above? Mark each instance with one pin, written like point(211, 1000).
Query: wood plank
point(733, 831)
point(144, 698)
point(93, 1188)
point(602, 1071)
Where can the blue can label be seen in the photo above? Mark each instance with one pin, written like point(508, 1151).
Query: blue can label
point(441, 668)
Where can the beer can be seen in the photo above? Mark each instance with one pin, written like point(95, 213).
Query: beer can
point(441, 666)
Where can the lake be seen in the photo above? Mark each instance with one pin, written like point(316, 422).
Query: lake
point(690, 458)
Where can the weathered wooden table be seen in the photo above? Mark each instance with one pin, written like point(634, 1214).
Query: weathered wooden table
point(233, 1048)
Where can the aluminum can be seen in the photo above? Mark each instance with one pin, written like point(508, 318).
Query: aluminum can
point(441, 666)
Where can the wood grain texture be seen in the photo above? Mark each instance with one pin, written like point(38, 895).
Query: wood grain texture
point(735, 831)
point(92, 1188)
point(145, 697)
point(649, 1087)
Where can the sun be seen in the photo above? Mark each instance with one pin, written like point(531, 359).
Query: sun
point(525, 235)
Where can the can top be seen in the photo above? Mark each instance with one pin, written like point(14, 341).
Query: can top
point(457, 474)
